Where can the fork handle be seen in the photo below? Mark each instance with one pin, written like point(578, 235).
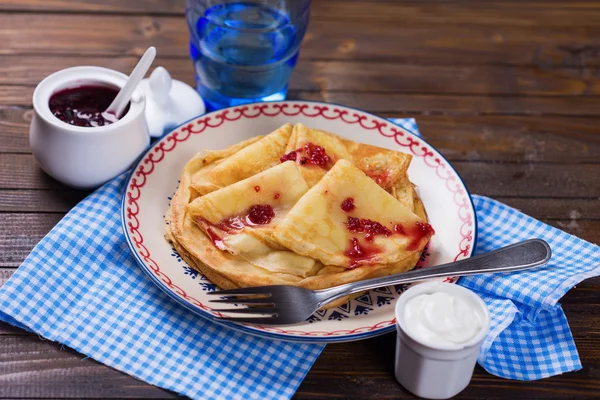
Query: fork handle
point(515, 257)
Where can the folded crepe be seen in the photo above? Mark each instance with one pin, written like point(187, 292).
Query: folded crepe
point(298, 207)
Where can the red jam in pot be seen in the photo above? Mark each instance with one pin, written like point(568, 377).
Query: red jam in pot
point(83, 105)
point(368, 227)
point(348, 204)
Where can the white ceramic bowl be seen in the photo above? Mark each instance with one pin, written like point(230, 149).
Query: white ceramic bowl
point(86, 157)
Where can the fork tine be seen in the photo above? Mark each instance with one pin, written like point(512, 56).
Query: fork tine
point(242, 291)
point(244, 320)
point(256, 310)
point(238, 300)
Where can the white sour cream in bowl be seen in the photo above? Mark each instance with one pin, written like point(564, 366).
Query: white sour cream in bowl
point(441, 318)
point(440, 330)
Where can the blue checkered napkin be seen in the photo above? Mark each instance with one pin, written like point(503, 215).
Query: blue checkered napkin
point(530, 336)
point(407, 123)
point(80, 286)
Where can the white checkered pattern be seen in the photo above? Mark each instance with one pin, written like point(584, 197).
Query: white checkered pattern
point(80, 286)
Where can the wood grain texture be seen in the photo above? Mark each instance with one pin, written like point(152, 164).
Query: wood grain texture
point(509, 91)
point(355, 76)
point(34, 368)
point(19, 233)
point(547, 139)
point(50, 201)
point(425, 35)
point(486, 178)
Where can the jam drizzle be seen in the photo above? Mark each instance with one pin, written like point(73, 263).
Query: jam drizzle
point(368, 227)
point(348, 204)
point(289, 156)
point(420, 231)
point(260, 214)
point(360, 253)
point(276, 196)
point(398, 228)
point(257, 189)
point(315, 155)
point(216, 240)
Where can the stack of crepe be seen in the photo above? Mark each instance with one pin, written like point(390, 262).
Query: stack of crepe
point(298, 207)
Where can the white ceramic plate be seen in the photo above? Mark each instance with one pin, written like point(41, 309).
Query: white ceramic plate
point(155, 178)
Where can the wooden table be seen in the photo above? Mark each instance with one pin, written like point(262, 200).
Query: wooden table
point(508, 92)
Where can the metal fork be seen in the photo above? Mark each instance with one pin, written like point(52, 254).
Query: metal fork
point(281, 304)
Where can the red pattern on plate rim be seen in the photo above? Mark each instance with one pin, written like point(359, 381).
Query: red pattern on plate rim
point(146, 167)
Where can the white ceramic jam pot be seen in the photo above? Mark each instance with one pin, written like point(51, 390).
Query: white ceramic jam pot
point(86, 157)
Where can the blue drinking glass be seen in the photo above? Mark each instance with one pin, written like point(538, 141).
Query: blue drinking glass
point(244, 51)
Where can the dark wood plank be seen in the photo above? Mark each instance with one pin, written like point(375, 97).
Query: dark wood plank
point(425, 36)
point(513, 138)
point(331, 76)
point(530, 180)
point(14, 129)
point(458, 104)
point(30, 70)
point(406, 40)
point(6, 329)
point(459, 138)
point(20, 171)
point(148, 7)
point(34, 368)
point(5, 273)
point(555, 208)
point(58, 201)
point(19, 233)
point(412, 78)
point(486, 178)
point(537, 13)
